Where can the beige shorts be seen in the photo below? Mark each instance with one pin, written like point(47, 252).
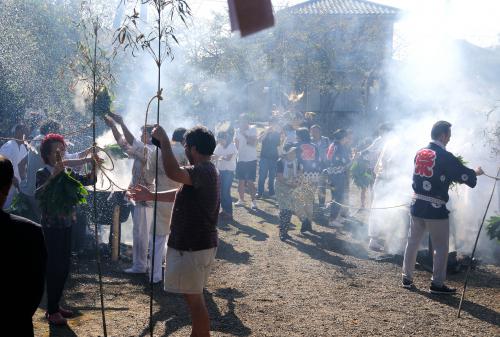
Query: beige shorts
point(187, 272)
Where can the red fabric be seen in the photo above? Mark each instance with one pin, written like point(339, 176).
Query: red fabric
point(424, 163)
point(330, 152)
point(54, 137)
point(308, 152)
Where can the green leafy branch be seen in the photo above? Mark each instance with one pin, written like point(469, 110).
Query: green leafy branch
point(92, 59)
point(493, 227)
point(61, 194)
point(131, 36)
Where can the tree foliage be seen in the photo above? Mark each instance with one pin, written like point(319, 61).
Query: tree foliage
point(330, 54)
point(37, 38)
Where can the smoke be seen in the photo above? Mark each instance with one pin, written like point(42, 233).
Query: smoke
point(434, 75)
point(438, 77)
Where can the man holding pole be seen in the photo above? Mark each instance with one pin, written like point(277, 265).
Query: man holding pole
point(192, 243)
point(435, 169)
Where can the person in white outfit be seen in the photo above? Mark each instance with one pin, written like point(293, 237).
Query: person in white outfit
point(15, 151)
point(142, 212)
point(245, 139)
point(164, 209)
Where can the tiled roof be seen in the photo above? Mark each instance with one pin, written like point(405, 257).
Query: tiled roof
point(341, 7)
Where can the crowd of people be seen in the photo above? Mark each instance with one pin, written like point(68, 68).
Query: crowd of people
point(193, 173)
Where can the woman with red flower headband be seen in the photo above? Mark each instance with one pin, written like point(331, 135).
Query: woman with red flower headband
point(57, 227)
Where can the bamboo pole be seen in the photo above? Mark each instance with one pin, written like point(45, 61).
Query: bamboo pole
point(475, 246)
point(94, 153)
point(115, 235)
point(155, 209)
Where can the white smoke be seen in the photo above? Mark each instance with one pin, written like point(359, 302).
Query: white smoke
point(431, 82)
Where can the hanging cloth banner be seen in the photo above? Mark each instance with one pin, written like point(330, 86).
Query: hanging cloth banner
point(250, 16)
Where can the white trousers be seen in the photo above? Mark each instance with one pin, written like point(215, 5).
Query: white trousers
point(141, 218)
point(439, 230)
point(160, 253)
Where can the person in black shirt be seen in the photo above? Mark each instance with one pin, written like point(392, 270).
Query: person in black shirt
point(322, 143)
point(192, 243)
point(309, 167)
point(339, 158)
point(57, 227)
point(26, 265)
point(286, 182)
point(271, 139)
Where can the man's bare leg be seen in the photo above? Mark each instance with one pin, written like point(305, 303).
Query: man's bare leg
point(241, 189)
point(251, 189)
point(199, 315)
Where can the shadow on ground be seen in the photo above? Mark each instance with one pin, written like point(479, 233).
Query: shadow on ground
point(320, 254)
point(173, 313)
point(226, 251)
point(475, 310)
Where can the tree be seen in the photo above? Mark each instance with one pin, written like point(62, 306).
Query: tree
point(33, 51)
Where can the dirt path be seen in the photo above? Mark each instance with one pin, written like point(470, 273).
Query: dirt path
point(319, 284)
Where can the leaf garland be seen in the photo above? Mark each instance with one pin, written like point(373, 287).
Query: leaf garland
point(361, 173)
point(61, 194)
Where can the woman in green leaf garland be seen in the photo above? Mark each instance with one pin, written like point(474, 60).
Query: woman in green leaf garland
point(58, 191)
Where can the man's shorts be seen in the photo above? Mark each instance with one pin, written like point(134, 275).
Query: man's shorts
point(246, 170)
point(187, 272)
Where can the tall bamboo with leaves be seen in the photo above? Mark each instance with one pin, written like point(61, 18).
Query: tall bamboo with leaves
point(135, 35)
point(92, 73)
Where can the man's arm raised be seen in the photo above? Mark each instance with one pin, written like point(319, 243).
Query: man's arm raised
point(170, 164)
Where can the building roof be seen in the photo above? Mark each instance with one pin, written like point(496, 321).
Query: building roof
point(341, 7)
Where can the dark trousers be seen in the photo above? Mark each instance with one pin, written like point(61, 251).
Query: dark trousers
point(285, 217)
point(322, 182)
point(79, 232)
point(58, 241)
point(267, 169)
point(226, 181)
point(338, 191)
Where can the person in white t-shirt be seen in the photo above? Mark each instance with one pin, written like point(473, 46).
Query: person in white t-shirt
point(225, 160)
point(245, 139)
point(139, 150)
point(164, 209)
point(15, 151)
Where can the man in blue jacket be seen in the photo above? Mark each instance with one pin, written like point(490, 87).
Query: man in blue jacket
point(435, 169)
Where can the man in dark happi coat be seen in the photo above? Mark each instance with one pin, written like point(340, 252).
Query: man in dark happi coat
point(434, 170)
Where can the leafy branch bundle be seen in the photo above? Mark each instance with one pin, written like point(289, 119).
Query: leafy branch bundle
point(116, 151)
point(91, 68)
point(61, 194)
point(361, 173)
point(493, 227)
point(453, 185)
point(20, 206)
point(103, 102)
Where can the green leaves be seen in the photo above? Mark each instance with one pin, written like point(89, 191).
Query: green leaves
point(461, 159)
point(61, 194)
point(116, 151)
point(130, 36)
point(36, 38)
point(361, 173)
point(102, 102)
point(493, 227)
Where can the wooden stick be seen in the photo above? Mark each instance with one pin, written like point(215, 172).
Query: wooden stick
point(475, 246)
point(115, 236)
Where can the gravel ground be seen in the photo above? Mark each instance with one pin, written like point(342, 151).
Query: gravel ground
point(321, 284)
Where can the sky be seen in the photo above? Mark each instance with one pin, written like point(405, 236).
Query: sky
point(473, 20)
